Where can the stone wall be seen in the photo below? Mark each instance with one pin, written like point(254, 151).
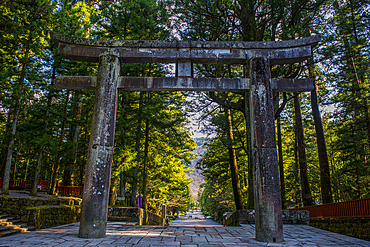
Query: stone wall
point(155, 219)
point(49, 216)
point(247, 217)
point(353, 227)
point(232, 219)
point(130, 214)
point(134, 214)
point(17, 206)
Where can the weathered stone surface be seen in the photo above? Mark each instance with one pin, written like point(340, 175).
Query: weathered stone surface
point(299, 217)
point(158, 83)
point(75, 82)
point(130, 214)
point(354, 227)
point(292, 85)
point(282, 52)
point(236, 218)
point(17, 206)
point(261, 54)
point(281, 56)
point(188, 84)
point(184, 69)
point(267, 200)
point(312, 41)
point(129, 235)
point(99, 159)
point(134, 214)
point(197, 56)
point(247, 217)
point(163, 214)
point(49, 216)
point(154, 219)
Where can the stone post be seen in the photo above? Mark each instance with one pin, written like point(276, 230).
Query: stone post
point(94, 210)
point(163, 214)
point(267, 199)
point(141, 216)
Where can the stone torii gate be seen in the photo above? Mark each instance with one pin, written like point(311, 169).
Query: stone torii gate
point(258, 84)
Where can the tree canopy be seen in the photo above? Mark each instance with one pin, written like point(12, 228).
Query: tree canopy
point(44, 131)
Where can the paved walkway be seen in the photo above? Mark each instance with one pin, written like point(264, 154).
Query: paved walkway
point(185, 232)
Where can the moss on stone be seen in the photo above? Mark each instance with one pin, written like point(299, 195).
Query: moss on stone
point(353, 227)
point(42, 213)
point(118, 206)
point(48, 216)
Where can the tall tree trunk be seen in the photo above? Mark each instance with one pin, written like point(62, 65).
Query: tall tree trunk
point(122, 178)
point(248, 21)
point(297, 191)
point(15, 166)
point(7, 132)
point(70, 166)
point(8, 163)
point(145, 172)
point(35, 182)
point(112, 192)
point(18, 102)
point(122, 185)
point(321, 149)
point(305, 186)
point(281, 164)
point(137, 149)
point(233, 165)
point(325, 183)
point(56, 165)
point(359, 82)
point(40, 153)
point(27, 163)
point(280, 148)
point(250, 190)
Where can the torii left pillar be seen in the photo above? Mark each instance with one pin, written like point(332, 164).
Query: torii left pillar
point(94, 211)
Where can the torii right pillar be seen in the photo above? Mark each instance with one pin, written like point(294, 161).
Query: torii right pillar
point(267, 199)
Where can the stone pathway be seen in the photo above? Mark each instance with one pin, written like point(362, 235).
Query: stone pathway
point(179, 233)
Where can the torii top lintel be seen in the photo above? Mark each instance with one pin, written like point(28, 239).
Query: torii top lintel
point(202, 52)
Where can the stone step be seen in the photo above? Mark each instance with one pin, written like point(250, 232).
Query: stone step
point(9, 218)
point(12, 232)
point(15, 221)
point(2, 224)
point(30, 228)
point(9, 227)
point(27, 226)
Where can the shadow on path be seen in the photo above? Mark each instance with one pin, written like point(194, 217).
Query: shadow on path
point(184, 232)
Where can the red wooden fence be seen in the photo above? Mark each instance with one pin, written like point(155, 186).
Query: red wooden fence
point(76, 191)
point(349, 209)
point(25, 184)
point(42, 185)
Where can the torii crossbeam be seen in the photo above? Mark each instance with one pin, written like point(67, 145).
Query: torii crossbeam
point(259, 85)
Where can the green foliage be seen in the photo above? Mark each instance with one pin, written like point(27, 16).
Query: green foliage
point(25, 40)
point(215, 203)
point(349, 126)
point(29, 62)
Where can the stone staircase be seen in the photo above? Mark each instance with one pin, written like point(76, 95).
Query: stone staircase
point(10, 225)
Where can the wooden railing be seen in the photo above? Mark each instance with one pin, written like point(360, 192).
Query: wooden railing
point(350, 209)
point(76, 191)
point(26, 184)
point(44, 185)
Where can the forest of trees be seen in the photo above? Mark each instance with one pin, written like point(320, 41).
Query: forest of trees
point(323, 136)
